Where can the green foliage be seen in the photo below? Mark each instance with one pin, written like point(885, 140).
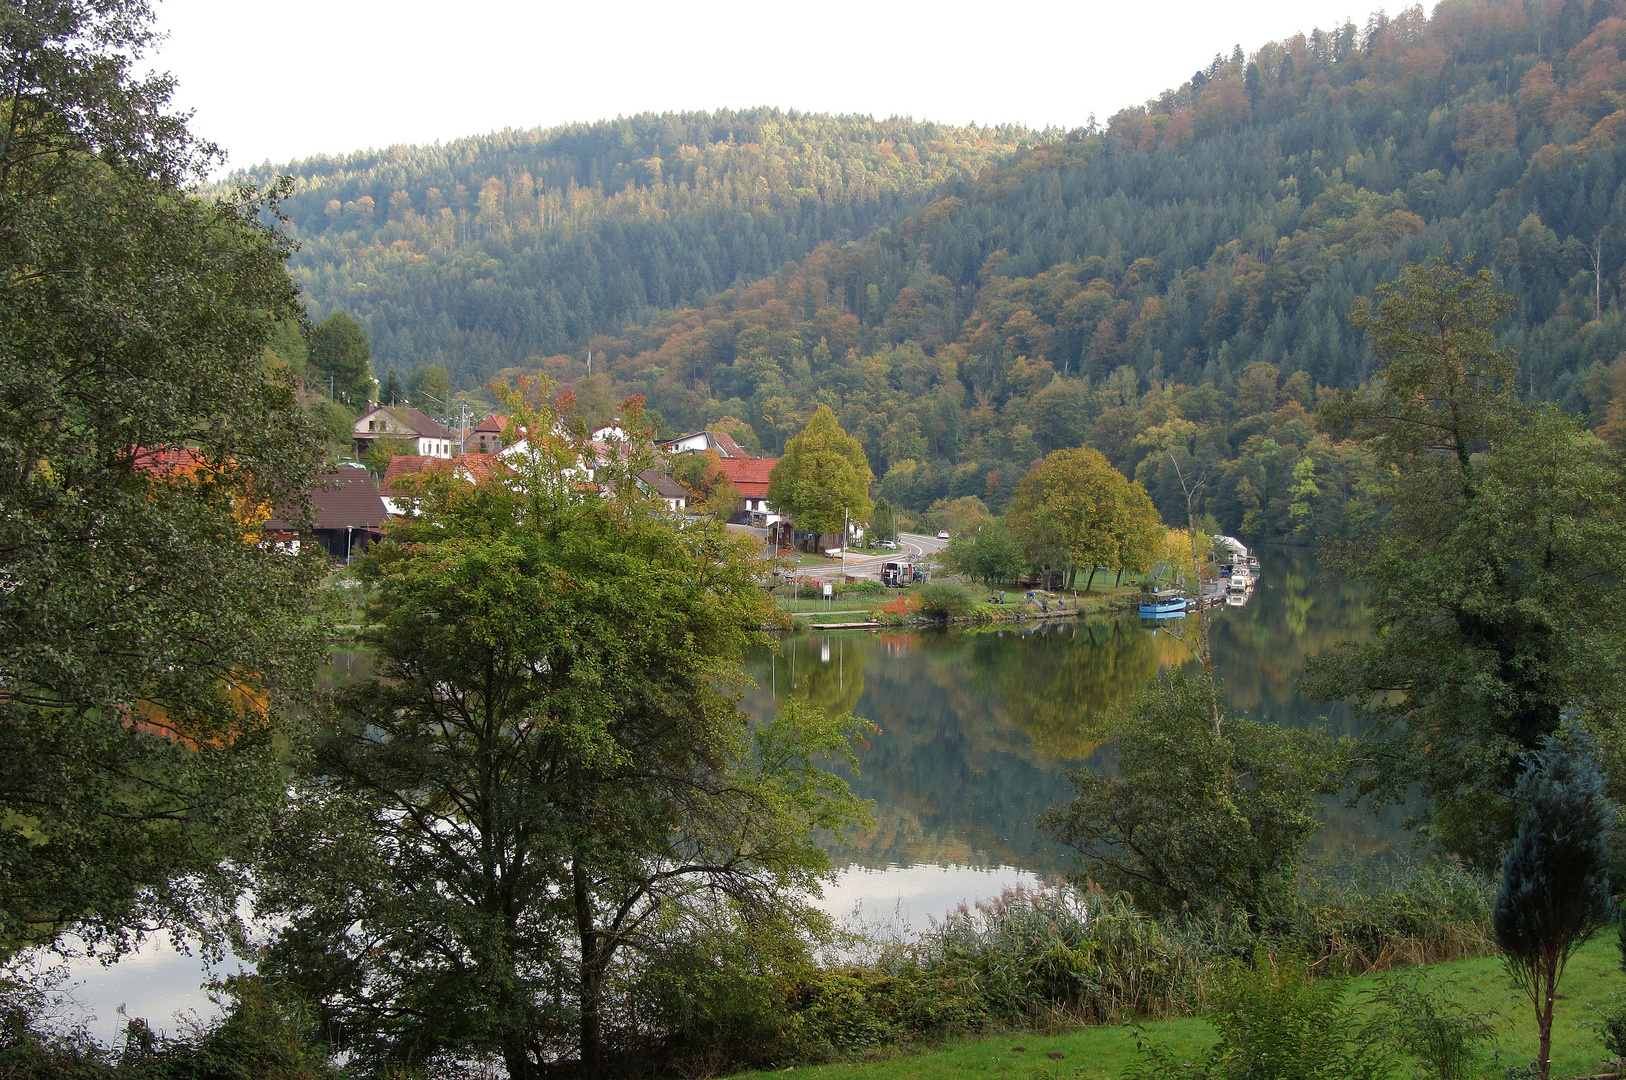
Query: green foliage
point(430, 389)
point(823, 478)
point(381, 451)
point(945, 599)
point(563, 234)
point(989, 553)
point(1493, 567)
point(883, 523)
point(1200, 813)
point(1074, 511)
point(152, 652)
point(1426, 1023)
point(551, 742)
point(339, 359)
point(262, 1034)
point(1555, 878)
point(1416, 914)
point(1275, 1023)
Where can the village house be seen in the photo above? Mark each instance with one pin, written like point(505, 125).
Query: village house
point(669, 491)
point(750, 480)
point(432, 438)
point(699, 442)
point(486, 437)
point(348, 515)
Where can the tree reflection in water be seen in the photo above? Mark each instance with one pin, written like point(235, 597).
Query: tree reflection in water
point(979, 727)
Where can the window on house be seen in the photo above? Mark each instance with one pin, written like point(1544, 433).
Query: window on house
point(372, 425)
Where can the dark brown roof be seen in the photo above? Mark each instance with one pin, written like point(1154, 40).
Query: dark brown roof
point(343, 498)
point(664, 486)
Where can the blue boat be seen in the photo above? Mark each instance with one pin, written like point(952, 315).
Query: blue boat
point(1163, 607)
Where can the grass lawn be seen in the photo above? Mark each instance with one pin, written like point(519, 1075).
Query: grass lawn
point(1103, 1053)
point(855, 602)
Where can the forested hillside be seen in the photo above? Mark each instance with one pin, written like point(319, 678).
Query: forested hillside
point(1175, 287)
point(1182, 280)
point(484, 252)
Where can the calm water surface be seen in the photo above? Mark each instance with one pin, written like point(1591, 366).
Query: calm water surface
point(978, 731)
point(979, 728)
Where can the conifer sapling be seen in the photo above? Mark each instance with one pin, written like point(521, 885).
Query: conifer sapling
point(1555, 877)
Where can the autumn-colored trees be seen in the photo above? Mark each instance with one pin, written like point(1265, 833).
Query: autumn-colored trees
point(1075, 511)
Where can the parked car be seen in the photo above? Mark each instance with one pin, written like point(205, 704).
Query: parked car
point(942, 534)
point(888, 545)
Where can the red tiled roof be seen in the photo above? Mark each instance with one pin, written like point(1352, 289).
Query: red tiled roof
point(166, 460)
point(478, 466)
point(402, 465)
point(749, 476)
point(493, 424)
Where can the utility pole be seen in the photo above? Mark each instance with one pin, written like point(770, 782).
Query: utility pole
point(463, 427)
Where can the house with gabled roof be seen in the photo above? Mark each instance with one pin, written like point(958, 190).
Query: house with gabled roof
point(657, 485)
point(347, 512)
point(750, 479)
point(698, 442)
point(488, 436)
point(433, 438)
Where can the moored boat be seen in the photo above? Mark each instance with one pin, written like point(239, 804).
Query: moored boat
point(1157, 607)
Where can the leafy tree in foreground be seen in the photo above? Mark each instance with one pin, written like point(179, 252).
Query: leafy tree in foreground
point(1191, 820)
point(149, 646)
point(1494, 573)
point(823, 477)
point(549, 781)
point(1555, 878)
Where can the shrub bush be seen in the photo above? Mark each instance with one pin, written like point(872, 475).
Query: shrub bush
point(1275, 1023)
point(1419, 914)
point(945, 599)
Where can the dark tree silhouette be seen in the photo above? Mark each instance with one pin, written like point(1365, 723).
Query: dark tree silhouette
point(1555, 878)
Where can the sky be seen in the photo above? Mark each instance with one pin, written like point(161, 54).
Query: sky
point(306, 77)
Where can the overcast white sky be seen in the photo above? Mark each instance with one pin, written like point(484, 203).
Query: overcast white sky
point(301, 77)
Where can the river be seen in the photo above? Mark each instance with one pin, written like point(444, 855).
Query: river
point(978, 730)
